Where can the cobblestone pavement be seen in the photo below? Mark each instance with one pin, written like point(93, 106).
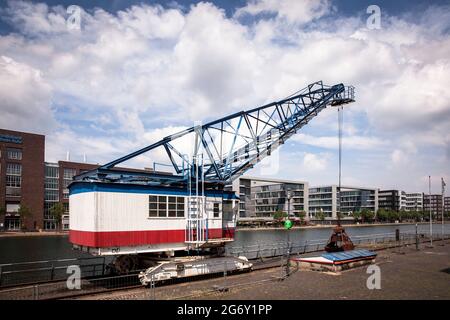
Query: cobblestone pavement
point(405, 274)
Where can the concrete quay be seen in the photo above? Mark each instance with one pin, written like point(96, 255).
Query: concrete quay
point(405, 274)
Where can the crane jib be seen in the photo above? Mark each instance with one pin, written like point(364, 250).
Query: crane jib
point(230, 145)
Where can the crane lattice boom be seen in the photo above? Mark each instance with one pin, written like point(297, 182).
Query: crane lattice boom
point(231, 145)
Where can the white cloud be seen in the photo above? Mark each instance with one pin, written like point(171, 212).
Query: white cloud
point(352, 142)
point(315, 162)
point(292, 10)
point(398, 157)
point(25, 97)
point(152, 67)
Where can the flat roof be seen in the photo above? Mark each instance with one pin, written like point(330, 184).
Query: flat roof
point(344, 187)
point(275, 180)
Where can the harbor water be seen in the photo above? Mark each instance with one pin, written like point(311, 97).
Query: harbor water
point(38, 248)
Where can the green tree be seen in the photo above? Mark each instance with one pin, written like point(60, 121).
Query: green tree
point(279, 215)
point(382, 215)
point(24, 213)
point(57, 211)
point(420, 215)
point(404, 215)
point(356, 215)
point(320, 215)
point(302, 215)
point(367, 215)
point(394, 215)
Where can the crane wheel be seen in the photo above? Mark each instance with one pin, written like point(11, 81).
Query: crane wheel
point(125, 264)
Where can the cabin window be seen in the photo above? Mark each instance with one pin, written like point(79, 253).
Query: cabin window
point(172, 206)
point(153, 206)
point(216, 210)
point(180, 207)
point(166, 206)
point(162, 206)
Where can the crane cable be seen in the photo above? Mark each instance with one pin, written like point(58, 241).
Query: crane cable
point(340, 125)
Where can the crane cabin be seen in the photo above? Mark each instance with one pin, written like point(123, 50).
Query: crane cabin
point(126, 218)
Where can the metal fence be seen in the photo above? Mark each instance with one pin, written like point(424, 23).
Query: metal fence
point(13, 274)
point(271, 256)
point(67, 288)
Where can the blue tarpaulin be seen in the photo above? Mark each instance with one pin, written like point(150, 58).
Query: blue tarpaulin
point(349, 255)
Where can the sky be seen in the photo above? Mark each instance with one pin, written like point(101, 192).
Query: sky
point(136, 71)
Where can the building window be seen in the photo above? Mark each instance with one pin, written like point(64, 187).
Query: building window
point(14, 169)
point(49, 225)
point(14, 154)
point(13, 179)
point(51, 171)
point(164, 206)
point(51, 183)
point(12, 207)
point(12, 223)
point(216, 210)
point(51, 195)
point(68, 175)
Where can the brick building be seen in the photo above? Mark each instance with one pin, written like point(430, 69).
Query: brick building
point(57, 177)
point(21, 178)
point(447, 204)
point(27, 180)
point(434, 203)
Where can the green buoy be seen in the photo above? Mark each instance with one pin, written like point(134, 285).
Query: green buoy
point(287, 224)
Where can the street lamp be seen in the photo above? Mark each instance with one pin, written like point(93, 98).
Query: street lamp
point(288, 226)
point(431, 218)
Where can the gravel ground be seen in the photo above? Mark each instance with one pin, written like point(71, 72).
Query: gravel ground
point(405, 274)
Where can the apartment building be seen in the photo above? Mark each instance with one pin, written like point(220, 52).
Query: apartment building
point(414, 201)
point(261, 197)
point(330, 200)
point(392, 200)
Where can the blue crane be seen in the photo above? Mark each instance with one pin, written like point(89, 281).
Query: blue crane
point(225, 148)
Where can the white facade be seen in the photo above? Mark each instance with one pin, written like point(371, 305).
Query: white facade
point(414, 201)
point(113, 222)
point(117, 211)
point(262, 197)
point(330, 201)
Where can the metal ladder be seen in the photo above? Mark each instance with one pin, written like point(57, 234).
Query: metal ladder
point(197, 218)
point(196, 224)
